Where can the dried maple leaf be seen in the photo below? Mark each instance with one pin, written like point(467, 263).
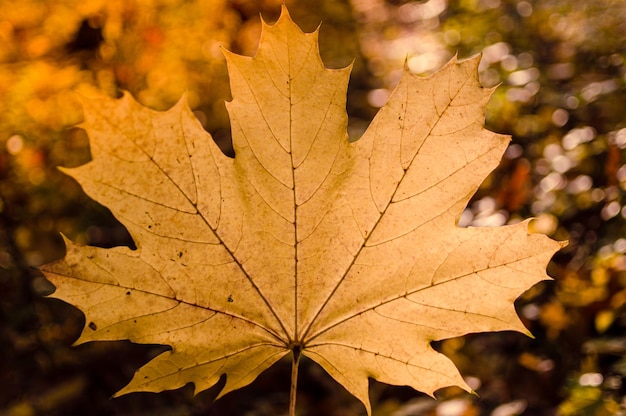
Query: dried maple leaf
point(347, 253)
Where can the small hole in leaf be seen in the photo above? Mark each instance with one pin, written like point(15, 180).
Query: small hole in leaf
point(92, 326)
point(128, 293)
point(230, 298)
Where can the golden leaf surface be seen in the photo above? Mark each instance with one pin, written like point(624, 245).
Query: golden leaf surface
point(346, 252)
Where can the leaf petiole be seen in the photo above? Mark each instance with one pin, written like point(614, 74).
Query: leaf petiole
point(294, 380)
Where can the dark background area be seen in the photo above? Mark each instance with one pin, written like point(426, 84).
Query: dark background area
point(559, 68)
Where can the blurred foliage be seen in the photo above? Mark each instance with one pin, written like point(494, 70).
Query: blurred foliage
point(559, 68)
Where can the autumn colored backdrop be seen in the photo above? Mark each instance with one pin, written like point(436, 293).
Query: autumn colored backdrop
point(561, 65)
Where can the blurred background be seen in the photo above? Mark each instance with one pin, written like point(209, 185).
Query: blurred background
point(561, 76)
